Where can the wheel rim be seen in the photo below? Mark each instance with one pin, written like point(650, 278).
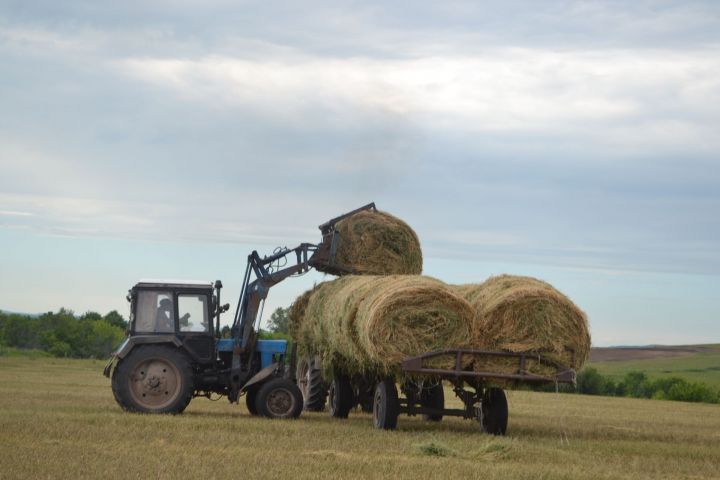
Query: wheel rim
point(280, 402)
point(155, 383)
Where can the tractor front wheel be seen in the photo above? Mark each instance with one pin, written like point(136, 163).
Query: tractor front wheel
point(279, 398)
point(251, 400)
point(153, 379)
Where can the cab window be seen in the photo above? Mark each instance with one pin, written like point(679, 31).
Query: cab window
point(154, 312)
point(193, 313)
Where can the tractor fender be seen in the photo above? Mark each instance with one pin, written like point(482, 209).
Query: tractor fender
point(260, 376)
point(130, 342)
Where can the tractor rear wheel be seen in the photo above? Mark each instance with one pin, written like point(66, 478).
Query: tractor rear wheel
point(340, 397)
point(279, 398)
point(153, 379)
point(493, 413)
point(433, 397)
point(386, 406)
point(311, 383)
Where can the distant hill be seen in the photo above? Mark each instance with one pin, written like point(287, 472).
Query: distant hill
point(610, 354)
point(696, 363)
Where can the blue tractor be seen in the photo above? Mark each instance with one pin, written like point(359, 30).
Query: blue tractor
point(173, 351)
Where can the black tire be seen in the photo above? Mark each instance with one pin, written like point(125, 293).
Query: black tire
point(279, 398)
point(311, 383)
point(493, 413)
point(153, 379)
point(433, 397)
point(251, 399)
point(386, 406)
point(340, 397)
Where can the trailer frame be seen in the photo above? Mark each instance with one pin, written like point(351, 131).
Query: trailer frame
point(480, 391)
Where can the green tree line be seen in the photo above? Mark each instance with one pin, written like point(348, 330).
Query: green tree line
point(92, 335)
point(639, 385)
point(62, 334)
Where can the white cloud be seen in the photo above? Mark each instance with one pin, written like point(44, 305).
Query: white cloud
point(406, 114)
point(11, 213)
point(668, 94)
point(167, 221)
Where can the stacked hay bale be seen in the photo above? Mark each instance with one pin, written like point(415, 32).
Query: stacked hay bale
point(375, 243)
point(368, 324)
point(524, 314)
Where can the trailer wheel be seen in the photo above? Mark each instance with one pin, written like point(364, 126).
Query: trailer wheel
point(153, 379)
point(493, 412)
point(433, 397)
point(251, 400)
point(279, 398)
point(386, 406)
point(340, 397)
point(311, 383)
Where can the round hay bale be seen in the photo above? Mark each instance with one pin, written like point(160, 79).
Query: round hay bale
point(524, 314)
point(363, 324)
point(296, 314)
point(376, 243)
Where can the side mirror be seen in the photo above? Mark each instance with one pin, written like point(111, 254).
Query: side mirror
point(225, 308)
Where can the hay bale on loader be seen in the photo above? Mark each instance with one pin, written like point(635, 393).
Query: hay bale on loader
point(375, 243)
point(369, 324)
point(524, 314)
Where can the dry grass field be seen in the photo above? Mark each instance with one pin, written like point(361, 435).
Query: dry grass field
point(58, 420)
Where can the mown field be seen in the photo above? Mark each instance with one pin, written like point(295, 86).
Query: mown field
point(59, 420)
point(702, 366)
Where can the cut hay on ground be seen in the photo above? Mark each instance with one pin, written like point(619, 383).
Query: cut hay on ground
point(376, 243)
point(523, 314)
point(369, 324)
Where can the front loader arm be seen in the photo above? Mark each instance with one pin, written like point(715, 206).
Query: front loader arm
point(252, 295)
point(263, 273)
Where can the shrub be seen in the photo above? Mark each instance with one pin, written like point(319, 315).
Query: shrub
point(591, 382)
point(635, 384)
point(62, 334)
point(691, 392)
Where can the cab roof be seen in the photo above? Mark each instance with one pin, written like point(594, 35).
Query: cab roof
point(167, 283)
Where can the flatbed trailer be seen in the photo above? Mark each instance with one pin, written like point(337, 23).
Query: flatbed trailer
point(421, 393)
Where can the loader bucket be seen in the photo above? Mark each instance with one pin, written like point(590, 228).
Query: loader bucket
point(324, 256)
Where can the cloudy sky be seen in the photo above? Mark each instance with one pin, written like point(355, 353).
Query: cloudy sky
point(576, 141)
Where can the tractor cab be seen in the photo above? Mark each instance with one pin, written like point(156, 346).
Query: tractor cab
point(171, 307)
point(180, 311)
